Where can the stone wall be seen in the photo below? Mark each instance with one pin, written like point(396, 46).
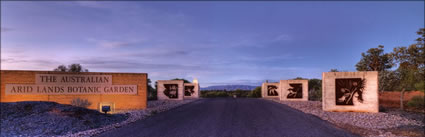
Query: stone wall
point(119, 101)
point(162, 89)
point(350, 91)
point(265, 87)
point(196, 90)
point(294, 90)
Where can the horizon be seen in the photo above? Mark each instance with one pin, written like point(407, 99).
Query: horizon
point(219, 43)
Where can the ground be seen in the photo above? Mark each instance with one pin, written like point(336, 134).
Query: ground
point(231, 117)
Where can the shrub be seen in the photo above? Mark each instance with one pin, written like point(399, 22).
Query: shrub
point(215, 93)
point(315, 95)
point(256, 93)
point(417, 102)
point(80, 102)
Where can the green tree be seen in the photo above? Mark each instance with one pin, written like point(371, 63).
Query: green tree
point(185, 81)
point(256, 93)
point(411, 64)
point(71, 68)
point(61, 68)
point(375, 60)
point(152, 93)
point(314, 84)
point(334, 70)
point(299, 78)
point(315, 89)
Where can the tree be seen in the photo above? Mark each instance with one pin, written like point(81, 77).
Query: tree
point(61, 68)
point(314, 84)
point(299, 78)
point(185, 81)
point(315, 89)
point(375, 60)
point(256, 93)
point(334, 70)
point(152, 93)
point(411, 63)
point(71, 68)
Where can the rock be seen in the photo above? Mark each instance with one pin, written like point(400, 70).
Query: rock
point(373, 121)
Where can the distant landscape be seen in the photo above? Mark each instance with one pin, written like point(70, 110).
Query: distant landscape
point(230, 87)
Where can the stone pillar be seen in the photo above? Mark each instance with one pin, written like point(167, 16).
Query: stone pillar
point(350, 91)
point(294, 90)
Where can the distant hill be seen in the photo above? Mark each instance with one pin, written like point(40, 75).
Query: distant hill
point(230, 87)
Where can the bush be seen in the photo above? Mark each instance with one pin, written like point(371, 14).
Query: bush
point(315, 95)
point(78, 102)
point(256, 93)
point(241, 93)
point(215, 93)
point(417, 102)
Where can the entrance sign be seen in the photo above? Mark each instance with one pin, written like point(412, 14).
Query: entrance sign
point(289, 90)
point(59, 84)
point(350, 91)
point(294, 90)
point(120, 91)
point(270, 90)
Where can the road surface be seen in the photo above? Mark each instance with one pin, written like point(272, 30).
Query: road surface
point(228, 117)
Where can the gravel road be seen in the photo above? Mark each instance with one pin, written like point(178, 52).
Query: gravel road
point(223, 117)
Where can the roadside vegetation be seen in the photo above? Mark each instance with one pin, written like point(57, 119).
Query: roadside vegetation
point(256, 93)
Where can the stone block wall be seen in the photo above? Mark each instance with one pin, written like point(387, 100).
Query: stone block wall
point(270, 90)
point(168, 88)
point(191, 90)
point(294, 90)
point(350, 91)
point(120, 101)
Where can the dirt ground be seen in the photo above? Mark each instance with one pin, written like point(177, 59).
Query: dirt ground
point(391, 99)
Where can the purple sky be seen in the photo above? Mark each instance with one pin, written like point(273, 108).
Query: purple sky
point(216, 42)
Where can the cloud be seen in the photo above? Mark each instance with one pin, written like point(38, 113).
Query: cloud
point(3, 29)
point(23, 63)
point(157, 53)
point(283, 37)
point(112, 44)
point(104, 63)
point(90, 4)
point(269, 58)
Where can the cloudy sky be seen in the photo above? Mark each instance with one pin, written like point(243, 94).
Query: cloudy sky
point(216, 42)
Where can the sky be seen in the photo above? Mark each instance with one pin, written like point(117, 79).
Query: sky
point(217, 42)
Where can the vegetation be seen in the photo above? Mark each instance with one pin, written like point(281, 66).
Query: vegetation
point(334, 70)
point(256, 93)
point(71, 68)
point(78, 102)
point(215, 93)
point(315, 89)
point(152, 93)
point(417, 102)
point(185, 81)
point(224, 93)
point(410, 60)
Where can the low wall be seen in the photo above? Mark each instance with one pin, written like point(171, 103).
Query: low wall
point(270, 90)
point(170, 89)
point(123, 91)
point(392, 98)
point(294, 90)
point(191, 90)
point(350, 91)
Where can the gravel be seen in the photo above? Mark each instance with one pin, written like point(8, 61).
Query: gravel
point(36, 118)
point(368, 124)
point(154, 107)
